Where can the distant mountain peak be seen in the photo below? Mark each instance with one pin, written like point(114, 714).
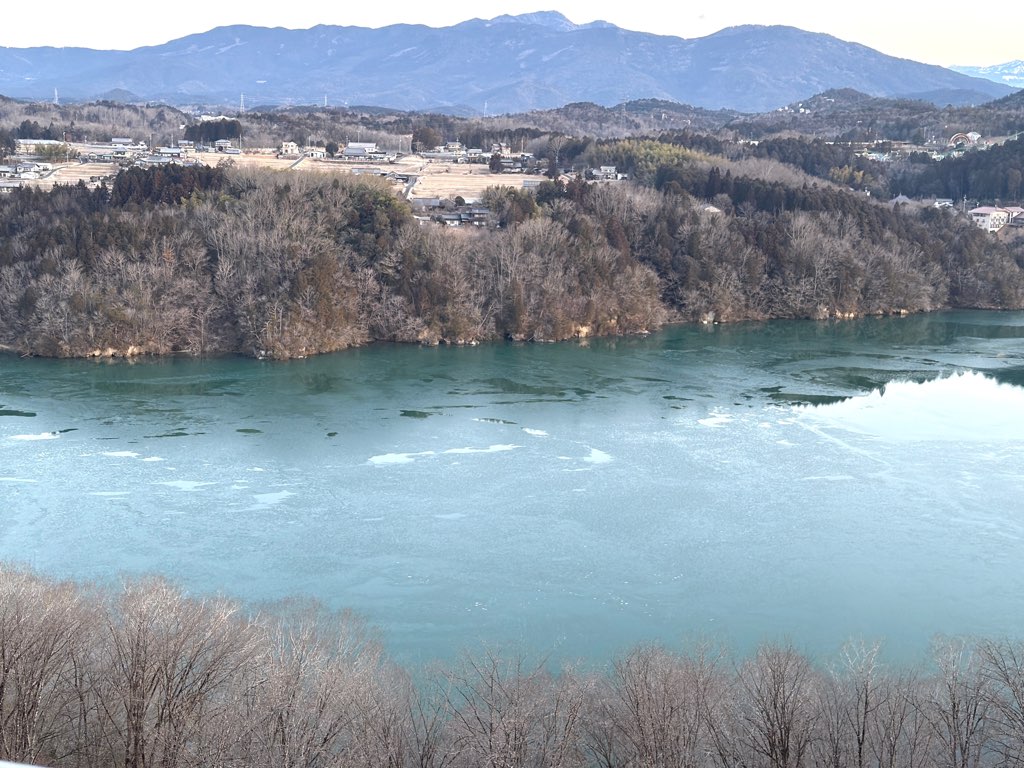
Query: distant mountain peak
point(744, 29)
point(548, 19)
point(121, 96)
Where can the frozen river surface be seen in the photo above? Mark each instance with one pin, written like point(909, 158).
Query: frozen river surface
point(806, 481)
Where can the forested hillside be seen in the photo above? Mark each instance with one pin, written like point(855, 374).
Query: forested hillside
point(282, 266)
point(220, 261)
point(996, 174)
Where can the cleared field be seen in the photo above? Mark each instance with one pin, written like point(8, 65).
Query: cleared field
point(76, 172)
point(433, 179)
point(248, 160)
point(72, 173)
point(467, 181)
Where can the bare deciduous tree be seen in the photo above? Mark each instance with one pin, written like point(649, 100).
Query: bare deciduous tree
point(778, 708)
point(1002, 665)
point(505, 714)
point(43, 627)
point(957, 706)
point(165, 665)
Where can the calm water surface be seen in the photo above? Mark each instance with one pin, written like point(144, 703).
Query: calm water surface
point(790, 480)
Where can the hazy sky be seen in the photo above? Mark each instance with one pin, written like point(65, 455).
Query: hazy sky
point(917, 31)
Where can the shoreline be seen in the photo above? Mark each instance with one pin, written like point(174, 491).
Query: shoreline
point(135, 353)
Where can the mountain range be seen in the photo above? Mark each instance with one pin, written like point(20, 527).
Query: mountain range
point(1011, 73)
point(506, 64)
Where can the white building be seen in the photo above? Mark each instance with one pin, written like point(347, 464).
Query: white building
point(1016, 215)
point(289, 148)
point(606, 173)
point(990, 218)
point(360, 149)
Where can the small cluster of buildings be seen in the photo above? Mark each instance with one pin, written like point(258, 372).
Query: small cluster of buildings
point(606, 173)
point(25, 169)
point(353, 151)
point(884, 151)
point(454, 152)
point(435, 210)
point(118, 150)
point(126, 152)
point(992, 218)
point(502, 157)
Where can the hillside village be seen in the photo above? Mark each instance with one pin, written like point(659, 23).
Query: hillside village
point(443, 184)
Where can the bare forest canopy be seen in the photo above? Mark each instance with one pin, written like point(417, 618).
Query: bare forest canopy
point(92, 121)
point(225, 261)
point(836, 115)
point(842, 115)
point(142, 675)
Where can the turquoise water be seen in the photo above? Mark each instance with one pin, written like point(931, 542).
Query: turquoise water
point(791, 480)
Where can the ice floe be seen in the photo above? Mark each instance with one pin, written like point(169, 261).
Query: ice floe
point(274, 497)
point(40, 436)
point(716, 419)
point(597, 457)
point(185, 485)
point(405, 458)
point(489, 449)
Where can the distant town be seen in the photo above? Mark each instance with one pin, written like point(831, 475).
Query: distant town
point(444, 184)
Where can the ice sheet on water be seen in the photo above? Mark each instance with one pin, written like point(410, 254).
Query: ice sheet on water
point(121, 454)
point(40, 436)
point(535, 432)
point(17, 480)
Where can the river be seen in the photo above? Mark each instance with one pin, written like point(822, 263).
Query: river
point(791, 480)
